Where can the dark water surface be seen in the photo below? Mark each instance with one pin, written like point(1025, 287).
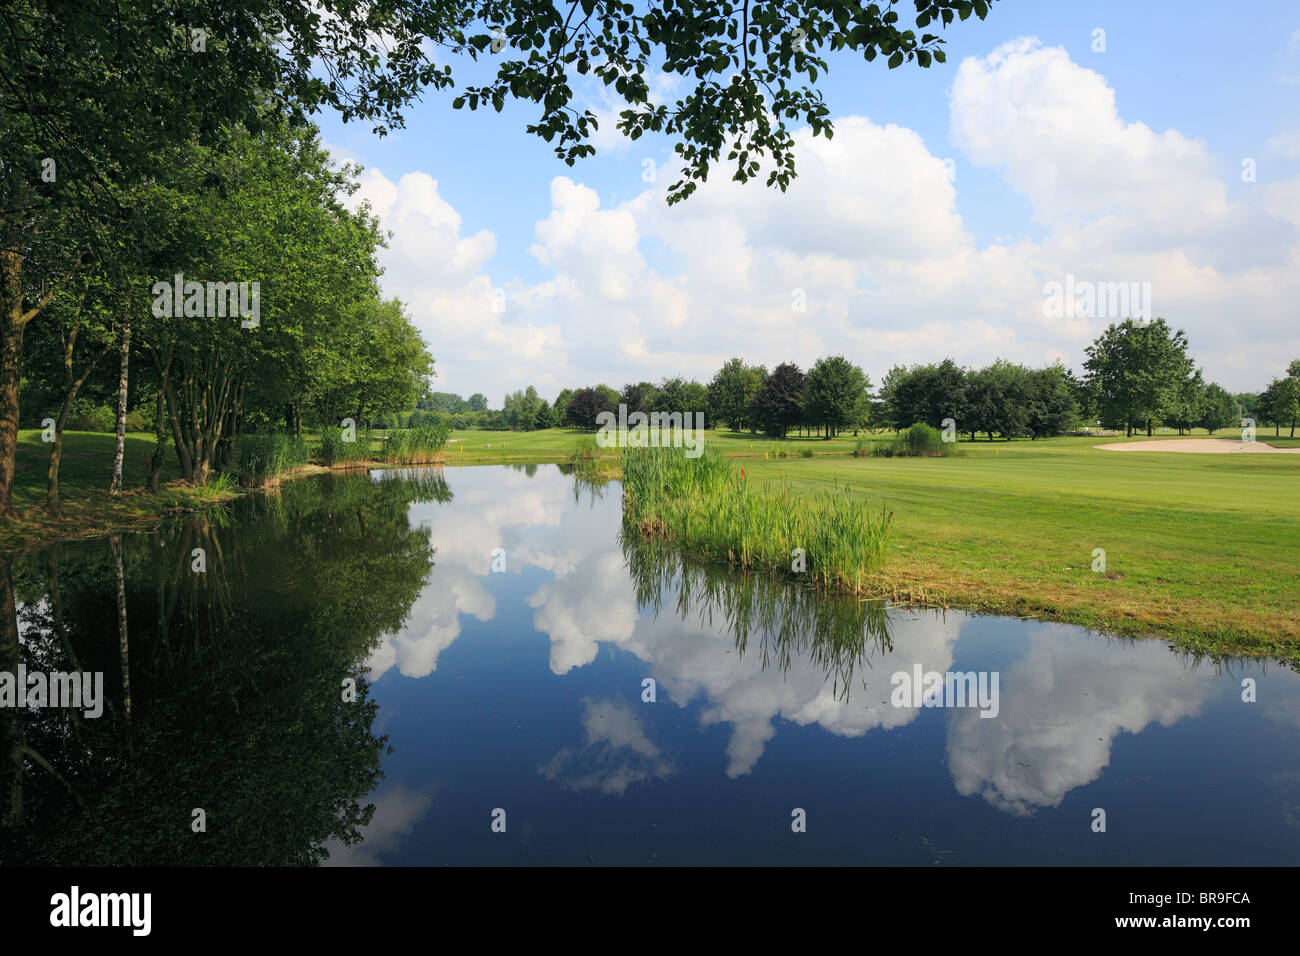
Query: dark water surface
point(522, 690)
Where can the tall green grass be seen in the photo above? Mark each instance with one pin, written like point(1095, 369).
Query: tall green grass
point(419, 445)
point(593, 462)
point(262, 458)
point(333, 449)
point(709, 510)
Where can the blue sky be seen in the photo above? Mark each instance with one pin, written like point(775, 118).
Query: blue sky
point(1122, 165)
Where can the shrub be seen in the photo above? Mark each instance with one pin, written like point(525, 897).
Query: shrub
point(919, 441)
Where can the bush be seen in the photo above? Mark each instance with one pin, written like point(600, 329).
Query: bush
point(806, 453)
point(919, 441)
point(91, 418)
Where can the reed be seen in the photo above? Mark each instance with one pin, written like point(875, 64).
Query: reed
point(593, 463)
point(333, 449)
point(422, 444)
point(261, 459)
point(708, 510)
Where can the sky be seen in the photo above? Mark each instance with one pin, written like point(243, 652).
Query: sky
point(932, 226)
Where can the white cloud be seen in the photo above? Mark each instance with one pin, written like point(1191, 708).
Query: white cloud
point(873, 236)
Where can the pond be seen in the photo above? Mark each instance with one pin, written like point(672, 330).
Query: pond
point(534, 687)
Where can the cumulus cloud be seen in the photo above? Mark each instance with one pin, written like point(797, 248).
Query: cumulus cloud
point(871, 236)
point(1062, 706)
point(397, 810)
point(616, 752)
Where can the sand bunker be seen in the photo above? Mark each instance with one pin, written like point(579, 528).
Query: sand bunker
point(1201, 446)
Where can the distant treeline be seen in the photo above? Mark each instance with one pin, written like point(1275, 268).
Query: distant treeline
point(1137, 375)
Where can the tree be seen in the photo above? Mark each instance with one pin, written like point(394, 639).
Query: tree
point(999, 398)
point(778, 405)
point(1218, 410)
point(585, 404)
point(742, 60)
point(679, 395)
point(1134, 370)
point(134, 78)
point(926, 393)
point(1186, 403)
point(1285, 404)
point(639, 397)
point(835, 391)
point(478, 402)
point(391, 365)
point(560, 406)
point(732, 390)
point(1051, 408)
point(520, 410)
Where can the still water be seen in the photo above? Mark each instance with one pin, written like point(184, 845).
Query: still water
point(505, 640)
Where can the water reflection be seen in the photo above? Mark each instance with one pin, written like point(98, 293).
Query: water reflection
point(523, 683)
point(225, 645)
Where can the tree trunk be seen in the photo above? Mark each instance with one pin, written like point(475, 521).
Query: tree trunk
point(159, 425)
point(12, 323)
point(115, 544)
point(56, 453)
point(11, 720)
point(178, 434)
point(115, 486)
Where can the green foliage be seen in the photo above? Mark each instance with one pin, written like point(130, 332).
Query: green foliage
point(705, 508)
point(778, 405)
point(419, 445)
point(333, 449)
point(834, 393)
point(259, 458)
point(732, 390)
point(586, 404)
point(750, 74)
point(1136, 370)
point(1220, 410)
point(919, 441)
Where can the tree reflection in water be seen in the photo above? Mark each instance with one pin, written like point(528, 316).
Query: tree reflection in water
point(236, 677)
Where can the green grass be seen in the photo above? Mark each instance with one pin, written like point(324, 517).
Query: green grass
point(1199, 548)
point(83, 489)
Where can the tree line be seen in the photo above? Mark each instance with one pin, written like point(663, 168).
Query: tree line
point(1136, 374)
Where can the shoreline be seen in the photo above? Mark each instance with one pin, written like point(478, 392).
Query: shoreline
point(1210, 588)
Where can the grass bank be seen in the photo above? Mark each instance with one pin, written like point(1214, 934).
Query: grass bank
point(1199, 549)
point(88, 510)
